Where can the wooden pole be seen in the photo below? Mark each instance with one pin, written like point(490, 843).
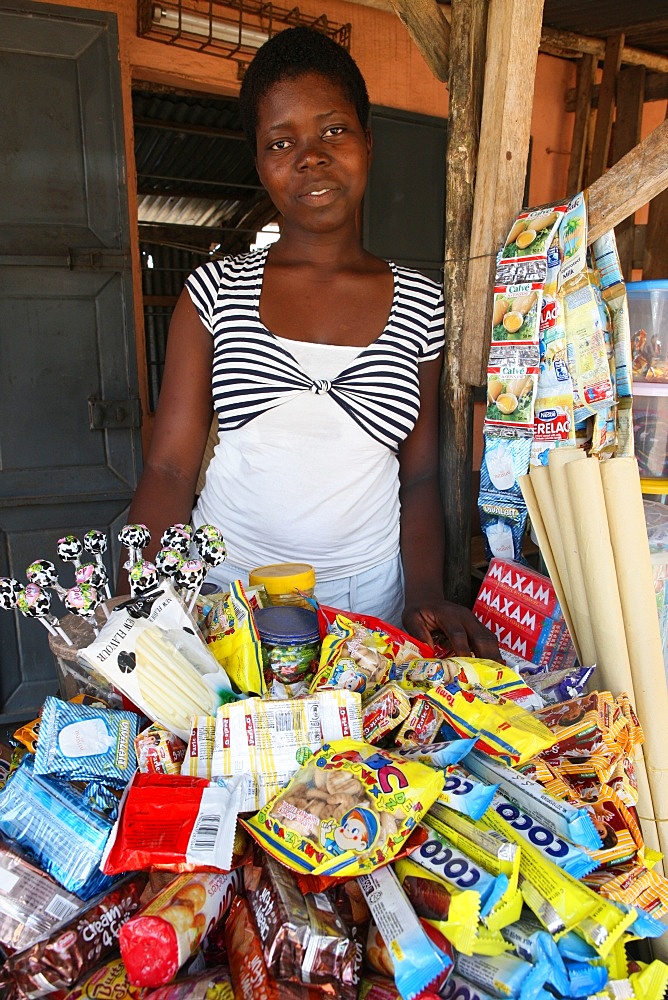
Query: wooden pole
point(467, 69)
point(656, 245)
point(513, 27)
point(626, 135)
point(606, 107)
point(584, 85)
point(629, 184)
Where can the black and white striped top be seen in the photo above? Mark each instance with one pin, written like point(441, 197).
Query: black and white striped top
point(252, 372)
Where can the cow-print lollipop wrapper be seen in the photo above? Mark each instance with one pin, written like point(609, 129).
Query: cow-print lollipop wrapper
point(9, 592)
point(96, 543)
point(168, 561)
point(69, 549)
point(213, 553)
point(44, 574)
point(189, 579)
point(134, 537)
point(91, 573)
point(143, 576)
point(35, 602)
point(206, 533)
point(82, 600)
point(178, 537)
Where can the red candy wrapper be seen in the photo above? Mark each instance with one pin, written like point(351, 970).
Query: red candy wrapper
point(169, 929)
point(175, 822)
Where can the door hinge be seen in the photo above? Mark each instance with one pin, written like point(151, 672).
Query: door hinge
point(114, 414)
point(97, 260)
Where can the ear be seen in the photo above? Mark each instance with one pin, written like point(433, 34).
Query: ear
point(369, 143)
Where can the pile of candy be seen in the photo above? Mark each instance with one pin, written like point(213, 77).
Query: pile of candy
point(412, 825)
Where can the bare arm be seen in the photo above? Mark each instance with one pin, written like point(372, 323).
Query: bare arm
point(422, 538)
point(166, 490)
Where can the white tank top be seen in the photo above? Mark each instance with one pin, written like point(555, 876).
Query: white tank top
point(303, 482)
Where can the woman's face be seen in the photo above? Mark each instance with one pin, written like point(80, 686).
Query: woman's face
point(313, 154)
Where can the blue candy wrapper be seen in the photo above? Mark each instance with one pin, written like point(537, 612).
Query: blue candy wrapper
point(585, 979)
point(442, 858)
point(505, 459)
point(532, 943)
point(503, 520)
point(55, 826)
point(86, 743)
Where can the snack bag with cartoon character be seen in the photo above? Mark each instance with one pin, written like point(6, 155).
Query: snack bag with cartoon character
point(355, 657)
point(348, 810)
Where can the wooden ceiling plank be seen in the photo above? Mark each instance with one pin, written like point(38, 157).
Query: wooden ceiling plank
point(656, 89)
point(584, 86)
point(428, 27)
point(513, 27)
point(570, 40)
point(467, 73)
point(625, 137)
point(606, 107)
point(655, 263)
point(631, 183)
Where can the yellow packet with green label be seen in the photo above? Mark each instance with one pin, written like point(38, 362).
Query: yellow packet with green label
point(503, 730)
point(236, 643)
point(353, 656)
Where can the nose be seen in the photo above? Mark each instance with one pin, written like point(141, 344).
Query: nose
point(312, 153)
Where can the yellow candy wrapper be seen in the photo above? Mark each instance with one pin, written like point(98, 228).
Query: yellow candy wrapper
point(503, 729)
point(347, 810)
point(496, 678)
point(355, 657)
point(237, 645)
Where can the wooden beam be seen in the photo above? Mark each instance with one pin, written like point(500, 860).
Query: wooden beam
point(569, 40)
point(428, 27)
point(513, 27)
point(632, 182)
point(467, 71)
point(625, 137)
point(655, 264)
point(656, 89)
point(584, 85)
point(606, 107)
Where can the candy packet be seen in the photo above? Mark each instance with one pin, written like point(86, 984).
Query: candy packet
point(54, 823)
point(237, 643)
point(74, 947)
point(506, 730)
point(384, 711)
point(465, 794)
point(566, 820)
point(79, 742)
point(422, 724)
point(348, 809)
point(353, 656)
point(160, 938)
point(304, 938)
point(159, 751)
point(440, 754)
point(418, 964)
point(31, 903)
point(505, 975)
point(497, 678)
point(150, 650)
point(176, 823)
point(264, 741)
point(457, 911)
point(108, 980)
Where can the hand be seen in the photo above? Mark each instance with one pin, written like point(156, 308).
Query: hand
point(466, 635)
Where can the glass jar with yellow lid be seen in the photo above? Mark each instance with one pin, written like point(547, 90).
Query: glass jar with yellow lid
point(285, 583)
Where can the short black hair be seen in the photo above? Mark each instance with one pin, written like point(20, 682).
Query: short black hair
point(288, 55)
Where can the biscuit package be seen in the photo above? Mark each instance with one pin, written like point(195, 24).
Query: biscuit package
point(347, 810)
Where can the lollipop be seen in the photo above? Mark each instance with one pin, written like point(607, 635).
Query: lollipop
point(206, 532)
point(9, 592)
point(213, 553)
point(134, 537)
point(167, 561)
point(69, 549)
point(44, 574)
point(143, 576)
point(177, 537)
point(189, 578)
point(34, 602)
point(95, 542)
point(91, 573)
point(82, 600)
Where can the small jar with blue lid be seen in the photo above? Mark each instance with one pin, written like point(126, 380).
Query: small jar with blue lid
point(290, 640)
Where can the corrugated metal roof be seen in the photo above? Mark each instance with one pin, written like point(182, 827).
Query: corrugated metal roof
point(644, 22)
point(194, 169)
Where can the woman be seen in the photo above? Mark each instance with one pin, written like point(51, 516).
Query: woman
point(323, 364)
